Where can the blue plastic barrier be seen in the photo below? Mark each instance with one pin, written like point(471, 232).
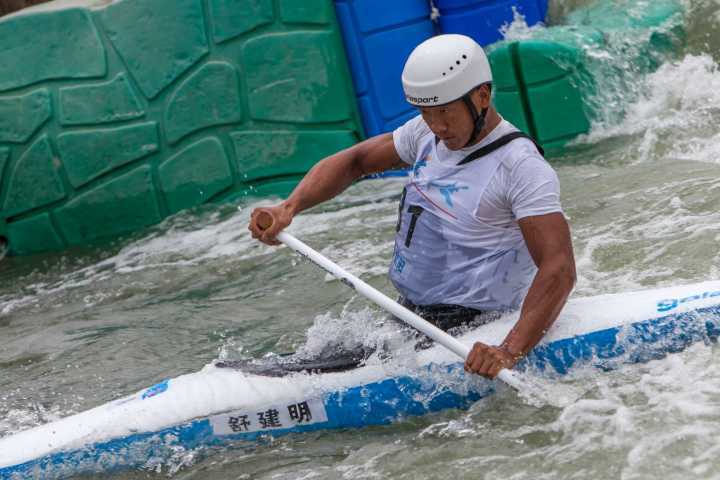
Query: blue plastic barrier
point(379, 36)
point(482, 19)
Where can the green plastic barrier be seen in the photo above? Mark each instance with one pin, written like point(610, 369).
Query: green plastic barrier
point(555, 83)
point(115, 115)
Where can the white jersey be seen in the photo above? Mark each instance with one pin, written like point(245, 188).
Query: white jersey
point(458, 239)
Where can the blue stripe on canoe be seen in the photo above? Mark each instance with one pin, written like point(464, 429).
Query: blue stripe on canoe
point(394, 398)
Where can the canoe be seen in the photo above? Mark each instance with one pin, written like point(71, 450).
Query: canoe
point(218, 406)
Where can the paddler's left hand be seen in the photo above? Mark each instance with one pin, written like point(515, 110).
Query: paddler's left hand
point(487, 360)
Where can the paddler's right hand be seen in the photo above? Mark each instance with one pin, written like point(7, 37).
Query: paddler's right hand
point(267, 222)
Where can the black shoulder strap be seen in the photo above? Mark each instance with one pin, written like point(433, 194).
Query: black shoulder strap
point(500, 142)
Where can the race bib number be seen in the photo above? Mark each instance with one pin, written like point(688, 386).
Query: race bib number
point(276, 417)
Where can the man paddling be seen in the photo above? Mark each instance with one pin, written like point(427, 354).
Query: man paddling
point(480, 225)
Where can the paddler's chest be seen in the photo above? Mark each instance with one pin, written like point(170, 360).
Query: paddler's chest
point(438, 183)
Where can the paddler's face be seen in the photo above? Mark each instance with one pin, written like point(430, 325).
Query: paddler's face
point(452, 123)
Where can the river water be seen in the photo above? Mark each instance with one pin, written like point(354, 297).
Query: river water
point(643, 198)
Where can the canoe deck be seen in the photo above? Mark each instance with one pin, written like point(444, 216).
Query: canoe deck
point(219, 404)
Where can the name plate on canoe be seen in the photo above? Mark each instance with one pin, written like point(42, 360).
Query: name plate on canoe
point(267, 419)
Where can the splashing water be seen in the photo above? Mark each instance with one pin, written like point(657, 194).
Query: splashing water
point(675, 117)
point(642, 191)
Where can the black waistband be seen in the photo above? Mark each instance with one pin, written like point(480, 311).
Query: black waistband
point(443, 316)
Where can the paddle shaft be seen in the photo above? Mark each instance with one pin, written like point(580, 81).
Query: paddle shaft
point(407, 316)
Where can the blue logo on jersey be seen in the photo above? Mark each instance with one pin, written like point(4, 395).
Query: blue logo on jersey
point(399, 262)
point(447, 191)
point(155, 389)
point(420, 164)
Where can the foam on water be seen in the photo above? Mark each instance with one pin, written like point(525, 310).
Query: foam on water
point(643, 195)
point(189, 241)
point(602, 435)
point(676, 398)
point(348, 332)
point(674, 116)
point(518, 29)
point(658, 227)
point(178, 242)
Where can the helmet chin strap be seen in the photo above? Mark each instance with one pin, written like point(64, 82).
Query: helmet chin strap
point(478, 119)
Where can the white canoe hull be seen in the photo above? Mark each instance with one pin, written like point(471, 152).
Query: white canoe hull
point(218, 405)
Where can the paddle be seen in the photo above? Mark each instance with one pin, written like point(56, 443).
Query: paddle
point(409, 317)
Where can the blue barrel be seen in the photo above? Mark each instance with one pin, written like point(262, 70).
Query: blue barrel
point(379, 36)
point(483, 19)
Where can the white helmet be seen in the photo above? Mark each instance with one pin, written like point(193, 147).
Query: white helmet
point(443, 69)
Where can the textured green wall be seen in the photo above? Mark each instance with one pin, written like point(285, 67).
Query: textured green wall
point(115, 117)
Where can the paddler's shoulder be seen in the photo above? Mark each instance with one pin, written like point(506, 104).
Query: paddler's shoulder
point(519, 152)
point(409, 137)
point(417, 127)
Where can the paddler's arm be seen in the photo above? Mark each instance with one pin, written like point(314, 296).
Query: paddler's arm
point(548, 240)
point(326, 179)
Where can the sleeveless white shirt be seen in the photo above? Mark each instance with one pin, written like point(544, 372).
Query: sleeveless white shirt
point(458, 239)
